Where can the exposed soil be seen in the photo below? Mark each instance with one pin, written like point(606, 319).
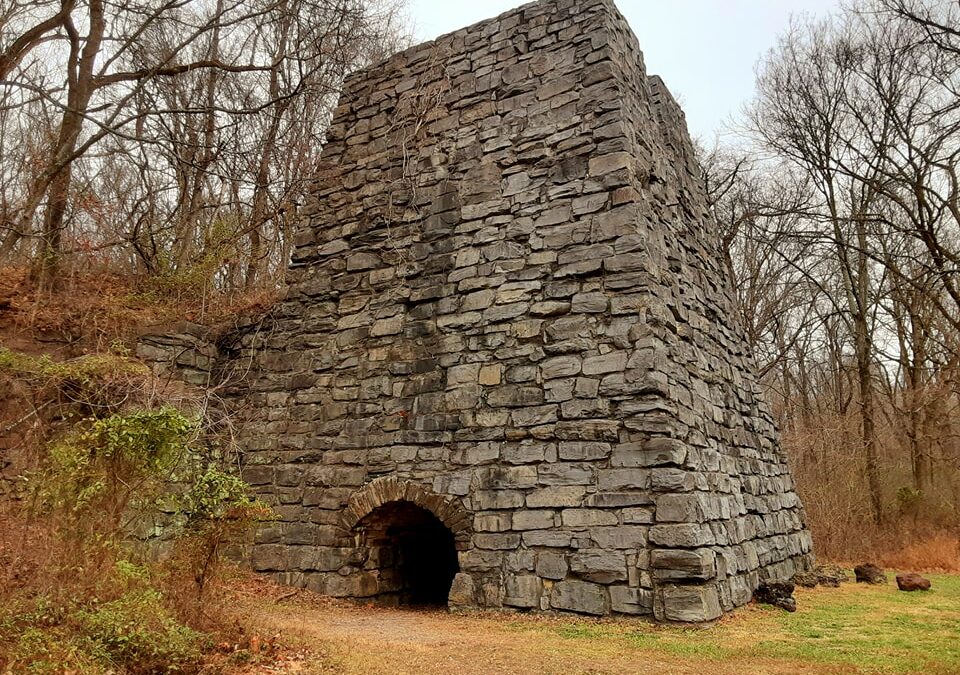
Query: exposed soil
point(331, 636)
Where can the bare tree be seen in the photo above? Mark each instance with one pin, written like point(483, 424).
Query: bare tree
point(184, 89)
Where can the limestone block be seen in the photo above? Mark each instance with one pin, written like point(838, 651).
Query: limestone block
point(560, 366)
point(522, 591)
point(627, 600)
point(681, 535)
point(551, 538)
point(490, 375)
point(556, 496)
point(462, 591)
point(579, 596)
point(588, 517)
point(551, 565)
point(583, 450)
point(680, 564)
point(689, 603)
point(599, 565)
point(534, 519)
point(619, 537)
point(564, 474)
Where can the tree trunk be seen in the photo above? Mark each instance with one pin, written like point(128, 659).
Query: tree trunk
point(79, 91)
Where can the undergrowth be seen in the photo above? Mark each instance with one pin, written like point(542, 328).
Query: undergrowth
point(80, 588)
point(98, 310)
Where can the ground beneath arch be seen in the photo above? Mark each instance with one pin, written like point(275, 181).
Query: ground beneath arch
point(854, 629)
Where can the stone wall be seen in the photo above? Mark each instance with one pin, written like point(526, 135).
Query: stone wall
point(506, 306)
point(185, 352)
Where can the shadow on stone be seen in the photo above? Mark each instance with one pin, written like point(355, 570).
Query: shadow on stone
point(413, 551)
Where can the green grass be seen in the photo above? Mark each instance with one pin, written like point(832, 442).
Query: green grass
point(855, 628)
point(877, 629)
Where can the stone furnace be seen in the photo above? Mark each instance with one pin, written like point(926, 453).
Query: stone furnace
point(507, 371)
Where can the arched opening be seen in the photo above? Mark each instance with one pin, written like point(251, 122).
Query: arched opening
point(414, 552)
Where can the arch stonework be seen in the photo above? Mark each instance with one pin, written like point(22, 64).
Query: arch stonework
point(448, 510)
point(507, 305)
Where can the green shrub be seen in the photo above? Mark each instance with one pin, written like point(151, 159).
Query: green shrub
point(100, 606)
point(96, 382)
point(106, 471)
point(137, 631)
point(218, 510)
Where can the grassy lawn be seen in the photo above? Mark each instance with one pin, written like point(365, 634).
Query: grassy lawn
point(854, 628)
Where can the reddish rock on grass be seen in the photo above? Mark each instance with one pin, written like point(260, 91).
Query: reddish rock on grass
point(912, 582)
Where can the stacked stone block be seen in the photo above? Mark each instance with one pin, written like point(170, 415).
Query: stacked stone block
point(506, 305)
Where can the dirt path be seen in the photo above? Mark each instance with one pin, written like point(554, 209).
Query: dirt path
point(352, 639)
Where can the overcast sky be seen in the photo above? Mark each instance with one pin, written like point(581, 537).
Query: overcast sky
point(705, 50)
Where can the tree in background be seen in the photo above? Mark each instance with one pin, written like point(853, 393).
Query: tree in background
point(174, 137)
point(838, 210)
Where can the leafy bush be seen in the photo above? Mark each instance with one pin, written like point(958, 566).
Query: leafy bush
point(94, 383)
point(88, 598)
point(106, 471)
point(218, 511)
point(137, 630)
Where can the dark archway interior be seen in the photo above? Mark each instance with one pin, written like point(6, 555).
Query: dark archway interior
point(414, 551)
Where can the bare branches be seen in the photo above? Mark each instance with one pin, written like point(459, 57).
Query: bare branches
point(176, 136)
point(14, 53)
point(841, 222)
point(173, 71)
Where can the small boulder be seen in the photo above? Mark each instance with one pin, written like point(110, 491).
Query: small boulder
point(831, 575)
point(869, 574)
point(776, 593)
point(912, 582)
point(821, 575)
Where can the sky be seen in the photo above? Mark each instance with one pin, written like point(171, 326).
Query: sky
point(705, 50)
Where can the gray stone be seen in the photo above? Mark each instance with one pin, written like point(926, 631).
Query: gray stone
point(601, 566)
point(505, 308)
point(462, 592)
point(627, 600)
point(690, 603)
point(523, 591)
point(679, 564)
point(579, 596)
point(551, 565)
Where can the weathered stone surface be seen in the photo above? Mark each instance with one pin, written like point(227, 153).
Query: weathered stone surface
point(689, 603)
point(579, 596)
point(912, 582)
point(683, 564)
point(523, 591)
point(506, 313)
point(551, 565)
point(776, 593)
point(601, 566)
point(822, 575)
point(462, 592)
point(627, 600)
point(868, 573)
